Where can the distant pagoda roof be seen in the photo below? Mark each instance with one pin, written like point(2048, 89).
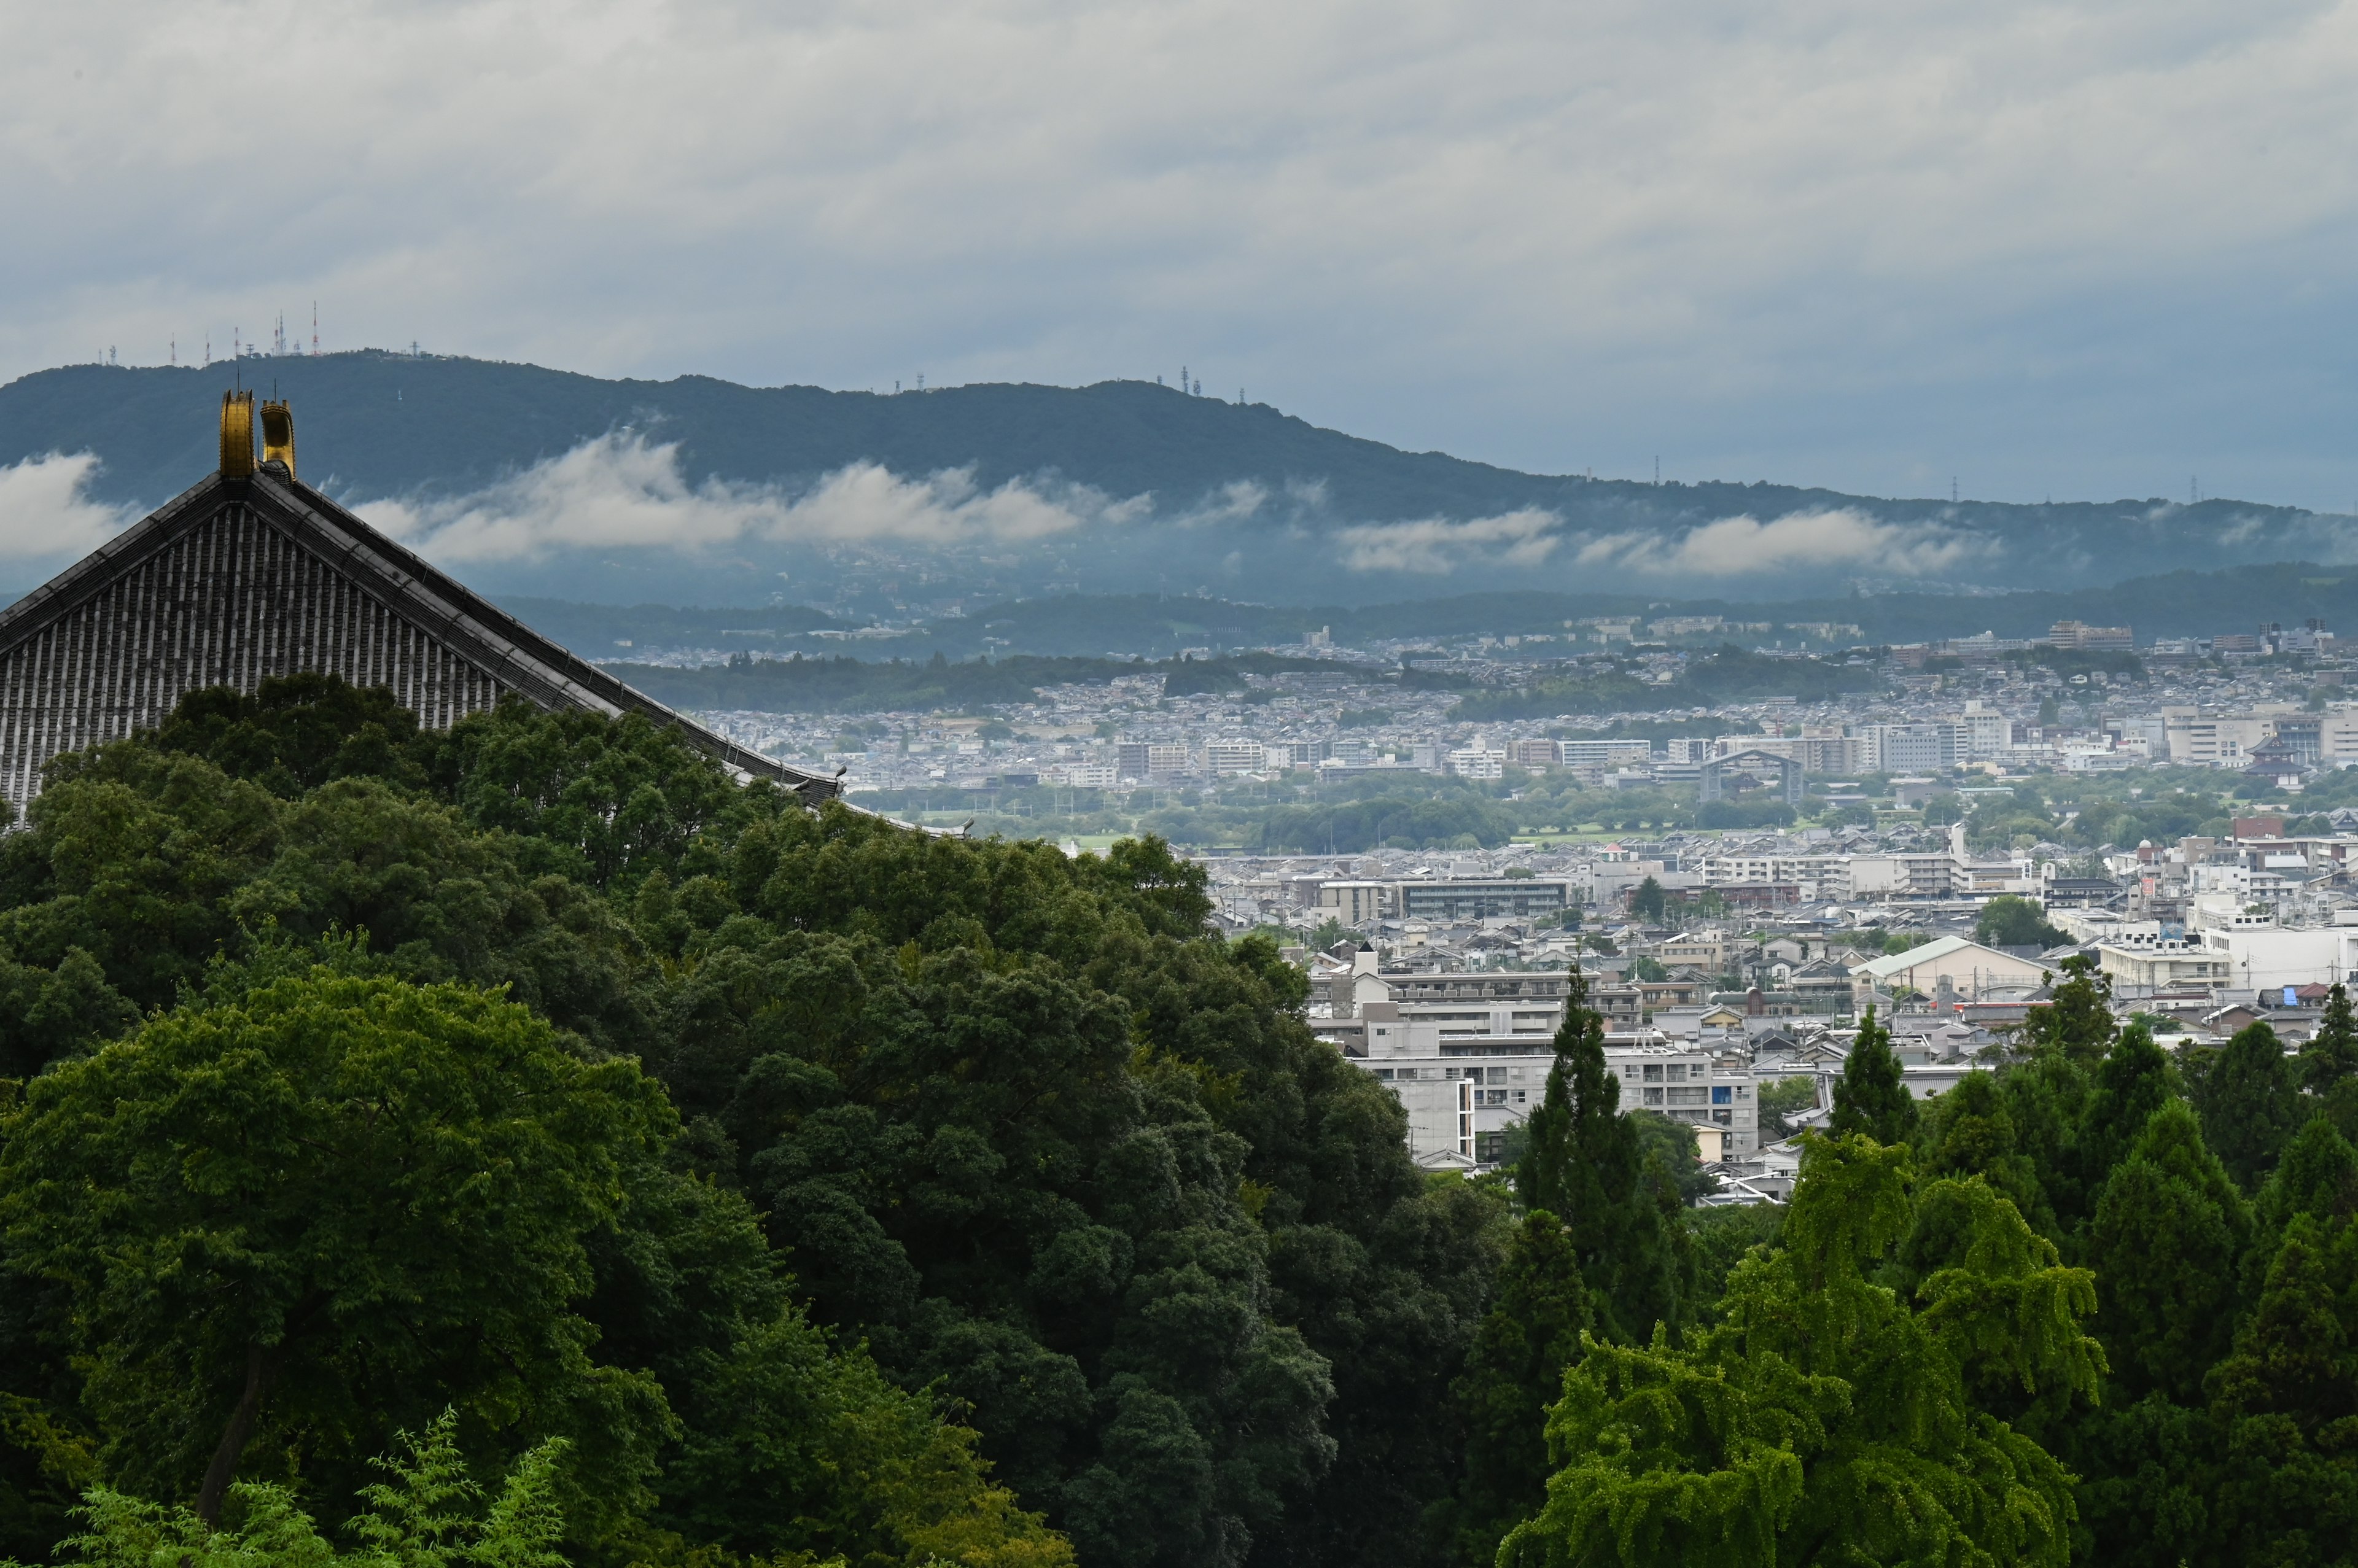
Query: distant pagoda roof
point(251, 574)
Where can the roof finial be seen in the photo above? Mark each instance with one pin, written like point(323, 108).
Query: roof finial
point(278, 434)
point(237, 435)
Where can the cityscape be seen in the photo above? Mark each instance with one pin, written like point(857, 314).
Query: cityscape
point(1051, 785)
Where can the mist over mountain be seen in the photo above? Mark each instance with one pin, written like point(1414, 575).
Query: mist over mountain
point(528, 480)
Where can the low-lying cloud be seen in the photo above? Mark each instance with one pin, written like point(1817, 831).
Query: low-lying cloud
point(621, 491)
point(44, 511)
point(1840, 538)
point(1434, 546)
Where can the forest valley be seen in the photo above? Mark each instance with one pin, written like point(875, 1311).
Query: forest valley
point(523, 1145)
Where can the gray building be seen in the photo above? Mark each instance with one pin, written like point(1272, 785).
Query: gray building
point(1515, 898)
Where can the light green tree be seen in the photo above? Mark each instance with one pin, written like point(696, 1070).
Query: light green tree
point(1828, 1419)
point(427, 1512)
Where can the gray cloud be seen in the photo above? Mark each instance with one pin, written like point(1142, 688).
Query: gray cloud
point(1809, 241)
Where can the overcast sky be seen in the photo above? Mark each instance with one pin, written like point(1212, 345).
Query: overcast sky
point(2084, 250)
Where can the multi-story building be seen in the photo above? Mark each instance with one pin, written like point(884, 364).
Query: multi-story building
point(1984, 732)
point(1463, 1094)
point(1907, 748)
point(1613, 753)
point(1479, 762)
point(1536, 755)
point(2200, 740)
point(1225, 758)
point(1356, 903)
point(1826, 749)
point(1520, 898)
point(2094, 639)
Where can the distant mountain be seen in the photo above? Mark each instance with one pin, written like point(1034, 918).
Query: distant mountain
point(696, 491)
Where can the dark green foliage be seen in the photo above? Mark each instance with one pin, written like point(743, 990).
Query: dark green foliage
point(2164, 1242)
point(1043, 1145)
point(344, 1202)
point(1975, 1137)
point(1871, 1095)
point(1647, 902)
point(295, 733)
point(1722, 1236)
point(1348, 826)
point(2008, 921)
point(2131, 1083)
point(1513, 1372)
point(2287, 1403)
point(1587, 1162)
point(1784, 1099)
point(2331, 1056)
point(2246, 1096)
point(2078, 1022)
point(1673, 1157)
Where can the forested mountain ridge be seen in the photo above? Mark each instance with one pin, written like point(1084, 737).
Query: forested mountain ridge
point(1118, 487)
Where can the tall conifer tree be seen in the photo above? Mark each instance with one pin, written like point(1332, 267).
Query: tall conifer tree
point(1871, 1095)
point(2248, 1103)
point(1585, 1164)
point(2331, 1055)
point(1513, 1373)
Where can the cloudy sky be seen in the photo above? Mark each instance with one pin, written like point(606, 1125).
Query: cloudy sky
point(2086, 249)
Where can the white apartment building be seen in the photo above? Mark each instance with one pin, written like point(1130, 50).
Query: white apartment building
point(1907, 748)
point(1227, 758)
point(1479, 760)
point(2200, 740)
point(1462, 1097)
point(1984, 732)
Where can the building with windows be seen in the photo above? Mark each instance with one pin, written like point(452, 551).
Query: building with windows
point(1464, 1095)
point(1519, 898)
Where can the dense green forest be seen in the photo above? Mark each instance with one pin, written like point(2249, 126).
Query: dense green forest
point(523, 1145)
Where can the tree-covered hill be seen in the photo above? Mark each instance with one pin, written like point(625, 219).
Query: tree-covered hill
point(1238, 499)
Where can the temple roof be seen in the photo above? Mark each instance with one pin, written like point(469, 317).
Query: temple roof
point(238, 579)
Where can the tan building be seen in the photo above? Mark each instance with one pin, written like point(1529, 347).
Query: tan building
point(1968, 967)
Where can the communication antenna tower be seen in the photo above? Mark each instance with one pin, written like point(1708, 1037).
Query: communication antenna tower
point(315, 328)
point(208, 349)
point(176, 351)
point(1182, 378)
point(1952, 489)
point(1657, 470)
